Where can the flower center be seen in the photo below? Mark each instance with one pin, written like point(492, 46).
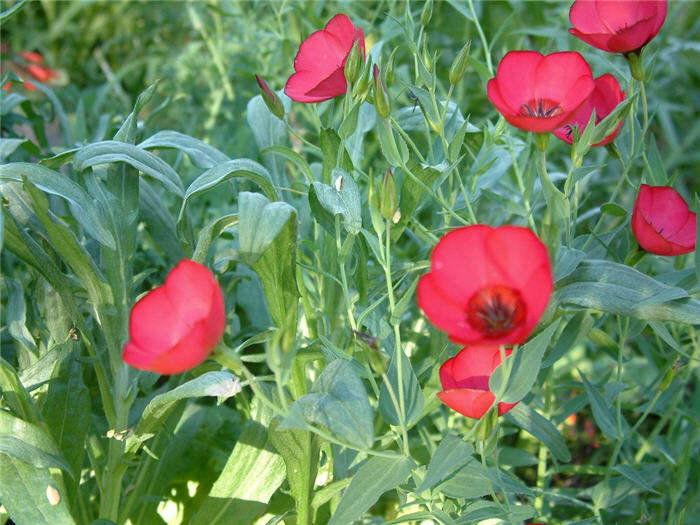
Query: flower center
point(541, 108)
point(496, 310)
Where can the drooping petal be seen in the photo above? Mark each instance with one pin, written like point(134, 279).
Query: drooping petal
point(468, 402)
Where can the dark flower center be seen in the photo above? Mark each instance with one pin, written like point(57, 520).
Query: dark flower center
point(496, 310)
point(541, 108)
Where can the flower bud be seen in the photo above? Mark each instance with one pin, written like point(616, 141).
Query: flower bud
point(353, 65)
point(389, 70)
point(388, 205)
point(382, 103)
point(460, 64)
point(427, 13)
point(272, 101)
point(362, 86)
point(427, 59)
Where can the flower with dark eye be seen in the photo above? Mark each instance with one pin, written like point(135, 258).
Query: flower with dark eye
point(540, 93)
point(487, 286)
point(617, 26)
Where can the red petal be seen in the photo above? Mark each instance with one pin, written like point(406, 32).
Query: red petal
point(154, 325)
point(473, 365)
point(321, 53)
point(470, 403)
point(189, 287)
point(662, 222)
point(516, 77)
point(189, 352)
point(443, 312)
point(342, 28)
point(564, 78)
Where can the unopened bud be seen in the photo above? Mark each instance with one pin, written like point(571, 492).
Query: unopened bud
point(382, 103)
point(388, 203)
point(460, 64)
point(389, 70)
point(427, 13)
point(353, 65)
point(272, 101)
point(362, 86)
point(427, 59)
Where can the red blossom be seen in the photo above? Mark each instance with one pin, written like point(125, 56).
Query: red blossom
point(465, 381)
point(605, 97)
point(487, 286)
point(617, 26)
point(320, 63)
point(662, 223)
point(174, 327)
point(540, 93)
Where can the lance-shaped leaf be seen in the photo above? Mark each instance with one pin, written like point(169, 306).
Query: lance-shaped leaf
point(267, 242)
point(341, 198)
point(200, 153)
point(412, 401)
point(338, 402)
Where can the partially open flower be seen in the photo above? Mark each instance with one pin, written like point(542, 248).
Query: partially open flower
point(465, 381)
point(662, 223)
point(174, 327)
point(540, 93)
point(320, 63)
point(617, 26)
point(487, 286)
point(604, 99)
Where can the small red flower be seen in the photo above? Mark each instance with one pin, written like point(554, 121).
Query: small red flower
point(605, 97)
point(465, 381)
point(32, 68)
point(617, 26)
point(662, 222)
point(540, 93)
point(319, 64)
point(487, 286)
point(174, 327)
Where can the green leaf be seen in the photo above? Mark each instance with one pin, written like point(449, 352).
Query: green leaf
point(603, 412)
point(268, 242)
point(342, 198)
point(375, 477)
point(330, 144)
point(634, 476)
point(541, 428)
point(657, 171)
point(525, 365)
point(413, 191)
point(220, 384)
point(109, 151)
point(12, 10)
point(576, 329)
point(338, 401)
point(566, 261)
point(610, 208)
point(412, 395)
point(268, 131)
point(300, 451)
point(30, 443)
point(388, 144)
point(67, 413)
point(252, 474)
point(9, 146)
point(245, 168)
point(293, 157)
point(200, 153)
point(469, 481)
point(55, 183)
point(16, 314)
point(619, 289)
point(23, 493)
point(452, 454)
point(210, 232)
point(159, 222)
point(609, 124)
point(14, 395)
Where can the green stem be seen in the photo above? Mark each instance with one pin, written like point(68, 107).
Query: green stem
point(482, 37)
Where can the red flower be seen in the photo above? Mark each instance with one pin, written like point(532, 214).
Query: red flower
point(605, 97)
point(174, 327)
point(487, 286)
point(617, 26)
point(465, 381)
point(34, 68)
point(540, 93)
point(662, 222)
point(319, 64)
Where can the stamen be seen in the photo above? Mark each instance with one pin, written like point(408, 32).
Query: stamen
point(540, 108)
point(496, 310)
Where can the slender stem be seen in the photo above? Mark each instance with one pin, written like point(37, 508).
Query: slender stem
point(542, 452)
point(645, 112)
point(482, 36)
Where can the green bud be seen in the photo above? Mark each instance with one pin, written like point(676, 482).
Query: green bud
point(460, 64)
point(427, 59)
point(389, 70)
point(388, 205)
point(635, 63)
point(353, 65)
point(382, 102)
point(363, 84)
point(427, 13)
point(272, 101)
point(667, 379)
